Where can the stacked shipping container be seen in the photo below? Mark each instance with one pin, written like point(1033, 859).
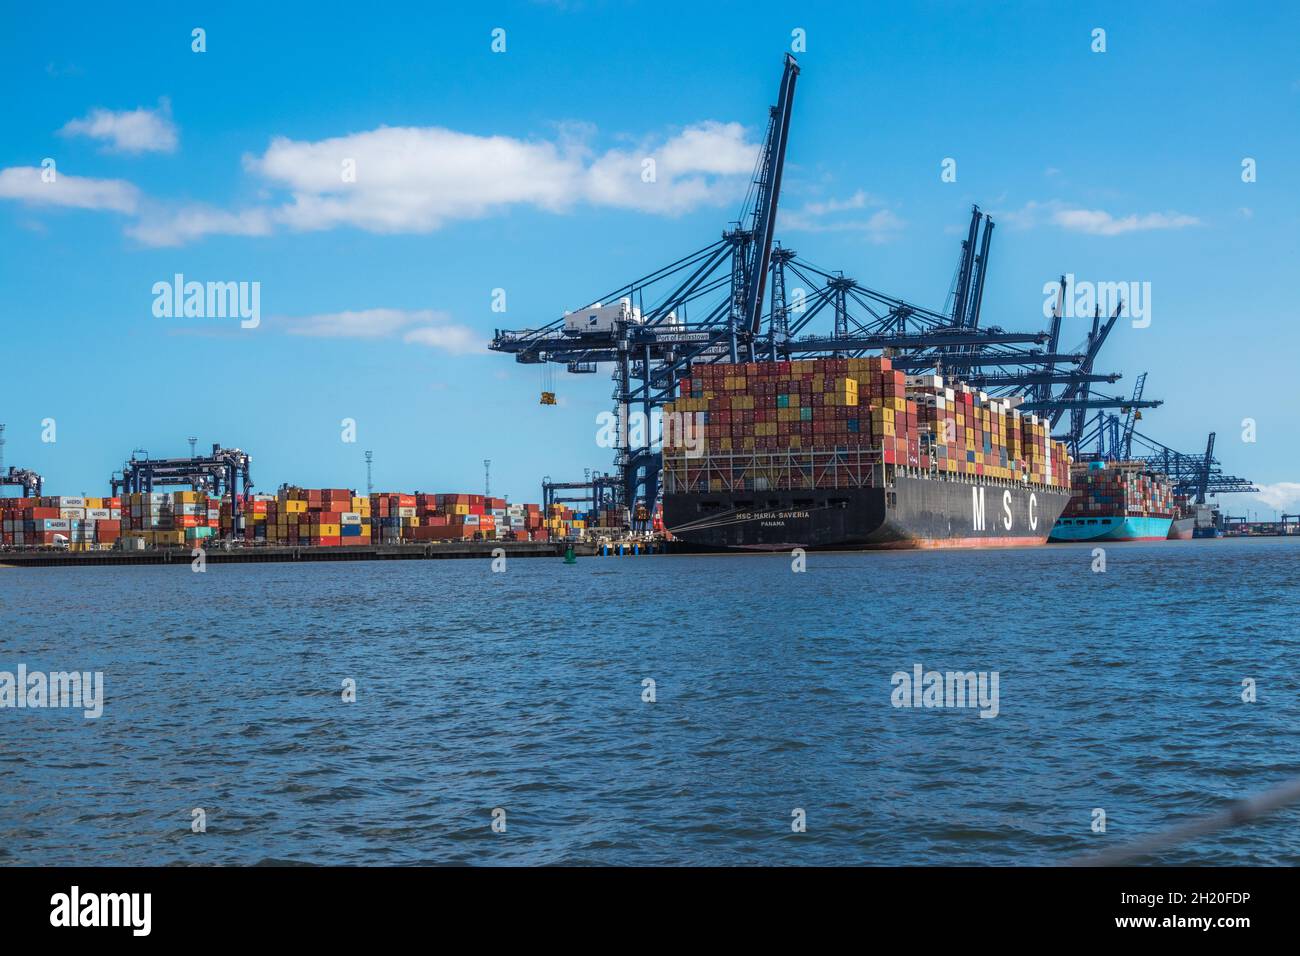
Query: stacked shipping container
point(1118, 489)
point(83, 523)
point(169, 519)
point(861, 408)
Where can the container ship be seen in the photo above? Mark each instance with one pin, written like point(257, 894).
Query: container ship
point(1116, 501)
point(853, 454)
point(1183, 525)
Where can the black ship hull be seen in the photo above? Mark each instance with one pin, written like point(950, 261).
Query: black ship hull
point(909, 512)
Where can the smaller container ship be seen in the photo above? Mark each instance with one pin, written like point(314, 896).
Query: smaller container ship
point(1116, 501)
point(1184, 520)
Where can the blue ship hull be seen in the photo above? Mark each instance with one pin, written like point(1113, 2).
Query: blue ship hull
point(1113, 528)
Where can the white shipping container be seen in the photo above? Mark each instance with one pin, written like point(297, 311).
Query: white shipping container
point(98, 514)
point(67, 502)
point(406, 512)
point(350, 517)
point(72, 513)
point(53, 524)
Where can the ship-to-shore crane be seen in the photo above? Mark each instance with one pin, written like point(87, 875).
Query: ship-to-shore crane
point(708, 306)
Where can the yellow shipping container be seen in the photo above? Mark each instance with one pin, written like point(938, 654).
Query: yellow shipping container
point(293, 506)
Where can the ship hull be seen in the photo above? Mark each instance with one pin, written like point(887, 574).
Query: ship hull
point(1113, 528)
point(1180, 529)
point(910, 513)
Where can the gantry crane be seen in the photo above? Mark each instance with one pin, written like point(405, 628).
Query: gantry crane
point(1192, 476)
point(224, 471)
point(29, 480)
point(652, 338)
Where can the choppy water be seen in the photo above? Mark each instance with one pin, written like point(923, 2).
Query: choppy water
point(523, 691)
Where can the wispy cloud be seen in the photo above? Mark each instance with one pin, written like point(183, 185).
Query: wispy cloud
point(419, 179)
point(129, 131)
point(1283, 496)
point(26, 184)
point(456, 339)
point(828, 215)
point(412, 180)
point(1096, 222)
point(429, 327)
point(161, 225)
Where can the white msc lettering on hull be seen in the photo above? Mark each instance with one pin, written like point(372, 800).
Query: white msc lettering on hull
point(977, 508)
point(1033, 518)
point(1006, 510)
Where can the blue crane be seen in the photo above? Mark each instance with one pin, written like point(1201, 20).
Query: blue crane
point(708, 306)
point(224, 471)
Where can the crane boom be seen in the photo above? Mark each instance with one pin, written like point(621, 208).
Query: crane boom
point(769, 194)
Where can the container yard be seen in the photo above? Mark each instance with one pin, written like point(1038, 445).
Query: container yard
point(299, 524)
point(1116, 501)
point(752, 450)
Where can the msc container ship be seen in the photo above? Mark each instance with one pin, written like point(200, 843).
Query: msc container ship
point(1116, 501)
point(853, 454)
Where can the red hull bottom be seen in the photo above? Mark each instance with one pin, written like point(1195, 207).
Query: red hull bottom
point(918, 544)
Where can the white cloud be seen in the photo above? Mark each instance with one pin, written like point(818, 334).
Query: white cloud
point(417, 179)
point(24, 183)
point(362, 324)
point(704, 165)
point(173, 226)
point(1096, 222)
point(430, 327)
point(1283, 496)
point(129, 131)
point(456, 339)
point(824, 216)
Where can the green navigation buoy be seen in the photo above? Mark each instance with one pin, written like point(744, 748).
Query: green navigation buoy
point(569, 557)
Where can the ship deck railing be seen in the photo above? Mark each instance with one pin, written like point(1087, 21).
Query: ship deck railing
point(791, 470)
point(809, 470)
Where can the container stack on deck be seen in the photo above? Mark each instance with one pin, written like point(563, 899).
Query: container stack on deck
point(862, 410)
point(1118, 489)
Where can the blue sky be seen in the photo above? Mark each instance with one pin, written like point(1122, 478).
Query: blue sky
point(520, 170)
